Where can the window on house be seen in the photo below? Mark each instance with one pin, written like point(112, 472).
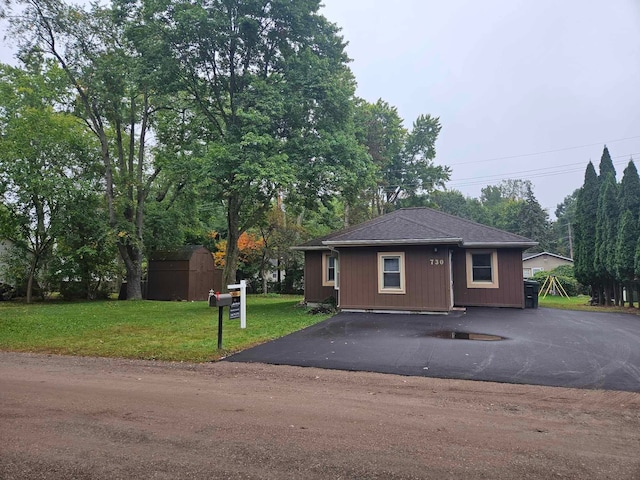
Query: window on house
point(391, 273)
point(482, 269)
point(329, 264)
point(526, 272)
point(535, 270)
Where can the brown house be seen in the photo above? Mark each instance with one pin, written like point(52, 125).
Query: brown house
point(187, 273)
point(416, 260)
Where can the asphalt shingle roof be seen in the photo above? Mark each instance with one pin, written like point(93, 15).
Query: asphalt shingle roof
point(420, 226)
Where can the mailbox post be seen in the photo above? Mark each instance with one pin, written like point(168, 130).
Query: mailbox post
point(219, 300)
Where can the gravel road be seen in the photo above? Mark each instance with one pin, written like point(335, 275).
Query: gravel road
point(93, 418)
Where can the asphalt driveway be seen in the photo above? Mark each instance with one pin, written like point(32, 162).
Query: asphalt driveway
point(533, 346)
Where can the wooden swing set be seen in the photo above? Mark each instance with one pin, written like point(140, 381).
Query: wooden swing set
point(554, 286)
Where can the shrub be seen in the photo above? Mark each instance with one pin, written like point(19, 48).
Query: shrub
point(570, 284)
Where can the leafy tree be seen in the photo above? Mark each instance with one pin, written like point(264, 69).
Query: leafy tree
point(279, 233)
point(45, 160)
point(563, 229)
point(115, 97)
point(512, 206)
point(250, 248)
point(403, 159)
point(85, 254)
point(269, 83)
point(455, 203)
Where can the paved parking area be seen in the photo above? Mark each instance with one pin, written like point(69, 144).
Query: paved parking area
point(538, 347)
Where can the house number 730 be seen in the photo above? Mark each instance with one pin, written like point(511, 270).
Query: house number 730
point(436, 261)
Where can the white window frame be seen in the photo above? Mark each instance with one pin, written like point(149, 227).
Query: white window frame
point(401, 265)
point(494, 283)
point(526, 272)
point(535, 270)
point(325, 269)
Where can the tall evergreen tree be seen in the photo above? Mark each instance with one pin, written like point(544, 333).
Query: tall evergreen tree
point(534, 220)
point(606, 164)
point(586, 213)
point(625, 252)
point(630, 189)
point(629, 231)
point(606, 228)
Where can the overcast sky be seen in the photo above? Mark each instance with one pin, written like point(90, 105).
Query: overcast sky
point(528, 89)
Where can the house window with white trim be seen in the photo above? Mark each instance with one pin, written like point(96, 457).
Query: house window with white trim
point(329, 266)
point(482, 269)
point(391, 272)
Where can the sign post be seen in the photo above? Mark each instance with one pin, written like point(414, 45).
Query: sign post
point(241, 305)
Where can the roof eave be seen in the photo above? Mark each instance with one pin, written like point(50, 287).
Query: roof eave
point(499, 244)
point(302, 248)
point(411, 241)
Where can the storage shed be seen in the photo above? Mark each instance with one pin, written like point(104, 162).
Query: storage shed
point(186, 273)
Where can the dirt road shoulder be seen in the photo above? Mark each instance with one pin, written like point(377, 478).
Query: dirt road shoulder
point(70, 417)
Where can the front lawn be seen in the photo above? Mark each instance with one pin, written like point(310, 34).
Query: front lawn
point(178, 331)
point(581, 302)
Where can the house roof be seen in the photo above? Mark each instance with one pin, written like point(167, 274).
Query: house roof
point(529, 256)
point(419, 226)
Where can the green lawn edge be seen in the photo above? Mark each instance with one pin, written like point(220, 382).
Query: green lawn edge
point(581, 303)
point(171, 331)
point(149, 330)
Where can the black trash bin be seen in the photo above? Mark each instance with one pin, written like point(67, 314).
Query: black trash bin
point(531, 289)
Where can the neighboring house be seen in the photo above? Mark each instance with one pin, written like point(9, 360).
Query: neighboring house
point(416, 260)
point(533, 263)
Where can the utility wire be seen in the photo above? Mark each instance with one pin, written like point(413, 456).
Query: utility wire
point(533, 173)
point(544, 152)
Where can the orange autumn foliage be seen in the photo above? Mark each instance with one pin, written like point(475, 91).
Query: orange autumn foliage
point(249, 246)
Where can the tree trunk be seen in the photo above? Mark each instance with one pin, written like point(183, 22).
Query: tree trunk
point(346, 214)
point(230, 269)
point(263, 272)
point(630, 294)
point(132, 258)
point(32, 273)
point(600, 294)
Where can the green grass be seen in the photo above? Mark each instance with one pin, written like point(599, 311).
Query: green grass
point(177, 331)
point(581, 302)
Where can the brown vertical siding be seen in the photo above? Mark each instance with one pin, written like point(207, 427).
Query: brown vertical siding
point(168, 280)
point(188, 279)
point(511, 291)
point(314, 291)
point(201, 278)
point(426, 285)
